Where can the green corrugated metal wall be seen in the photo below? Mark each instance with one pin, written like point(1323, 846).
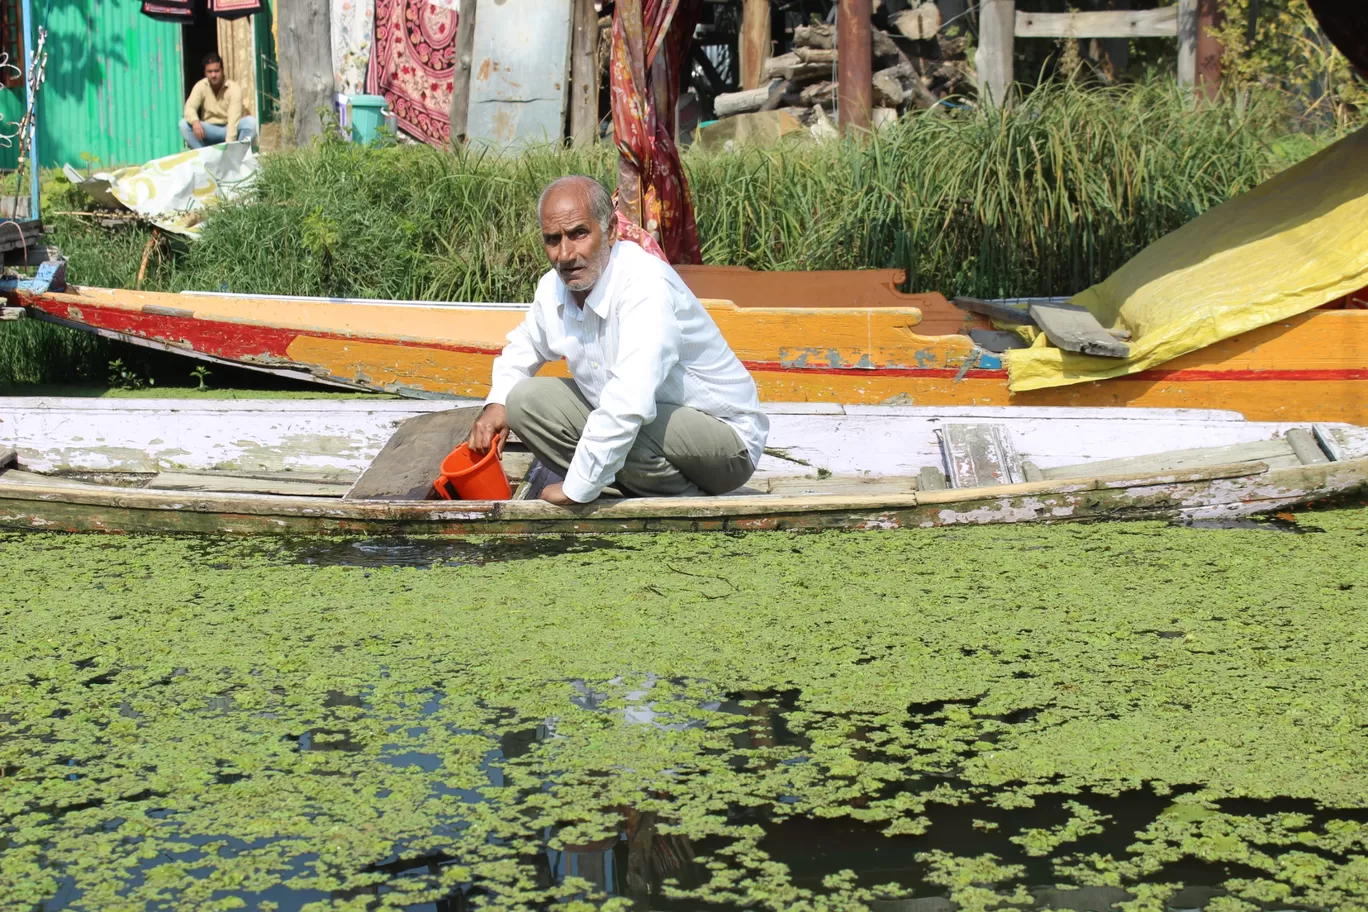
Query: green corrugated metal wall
point(114, 86)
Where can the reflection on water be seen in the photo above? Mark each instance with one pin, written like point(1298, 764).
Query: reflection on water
point(419, 552)
point(426, 552)
point(647, 864)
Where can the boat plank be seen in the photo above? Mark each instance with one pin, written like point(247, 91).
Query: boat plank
point(1215, 491)
point(931, 478)
point(1074, 328)
point(188, 481)
point(842, 484)
point(1277, 453)
point(1329, 441)
point(979, 454)
point(1303, 443)
point(412, 458)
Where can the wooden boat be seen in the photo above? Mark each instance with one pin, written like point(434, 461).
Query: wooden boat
point(262, 467)
point(848, 337)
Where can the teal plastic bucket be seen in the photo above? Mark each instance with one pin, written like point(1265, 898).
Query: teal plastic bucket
point(367, 116)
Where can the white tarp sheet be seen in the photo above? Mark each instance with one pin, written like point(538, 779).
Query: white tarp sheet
point(174, 192)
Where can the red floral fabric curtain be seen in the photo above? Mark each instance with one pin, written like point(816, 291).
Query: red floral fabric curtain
point(650, 45)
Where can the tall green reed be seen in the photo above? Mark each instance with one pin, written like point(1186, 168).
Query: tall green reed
point(1047, 197)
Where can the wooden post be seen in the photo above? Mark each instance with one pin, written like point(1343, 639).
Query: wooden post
point(755, 41)
point(1187, 43)
point(584, 73)
point(304, 51)
point(855, 64)
point(1210, 17)
point(459, 115)
point(993, 59)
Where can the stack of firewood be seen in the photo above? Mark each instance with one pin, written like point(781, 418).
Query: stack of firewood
point(915, 66)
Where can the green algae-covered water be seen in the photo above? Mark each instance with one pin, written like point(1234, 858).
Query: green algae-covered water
point(1129, 716)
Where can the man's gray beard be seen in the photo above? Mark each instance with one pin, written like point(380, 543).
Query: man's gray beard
point(599, 264)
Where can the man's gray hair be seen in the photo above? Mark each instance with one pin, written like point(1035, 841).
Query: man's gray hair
point(599, 200)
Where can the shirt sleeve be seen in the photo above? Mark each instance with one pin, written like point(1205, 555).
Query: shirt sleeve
point(234, 103)
point(192, 104)
point(527, 350)
point(648, 348)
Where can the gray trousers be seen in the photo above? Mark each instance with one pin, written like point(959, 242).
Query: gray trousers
point(682, 452)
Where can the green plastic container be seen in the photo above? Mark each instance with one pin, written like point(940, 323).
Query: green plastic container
point(367, 116)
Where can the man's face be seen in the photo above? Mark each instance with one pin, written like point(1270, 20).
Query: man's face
point(575, 244)
point(214, 73)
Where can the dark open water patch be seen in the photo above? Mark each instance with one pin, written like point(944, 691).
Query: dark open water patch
point(423, 552)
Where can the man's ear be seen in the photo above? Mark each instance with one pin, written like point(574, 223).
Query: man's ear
point(612, 232)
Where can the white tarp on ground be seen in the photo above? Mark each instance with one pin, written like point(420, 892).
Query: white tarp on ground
point(174, 192)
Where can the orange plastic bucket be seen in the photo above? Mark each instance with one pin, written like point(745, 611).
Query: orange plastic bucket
point(466, 478)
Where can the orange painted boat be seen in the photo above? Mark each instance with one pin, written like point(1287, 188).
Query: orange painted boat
point(846, 337)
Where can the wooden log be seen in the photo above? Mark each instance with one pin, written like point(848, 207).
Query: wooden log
point(993, 59)
point(822, 56)
point(778, 67)
point(1187, 42)
point(887, 87)
point(749, 101)
point(1151, 23)
point(814, 36)
point(584, 75)
point(821, 93)
point(800, 73)
point(304, 45)
point(754, 43)
point(919, 24)
point(823, 37)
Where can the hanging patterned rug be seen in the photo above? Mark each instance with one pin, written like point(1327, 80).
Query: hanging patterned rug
point(412, 64)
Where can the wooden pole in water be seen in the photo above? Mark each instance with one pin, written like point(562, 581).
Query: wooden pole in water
point(755, 41)
point(855, 59)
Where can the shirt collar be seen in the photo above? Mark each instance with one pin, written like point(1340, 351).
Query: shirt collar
point(597, 301)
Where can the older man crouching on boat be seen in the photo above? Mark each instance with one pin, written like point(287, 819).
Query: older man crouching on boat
point(658, 404)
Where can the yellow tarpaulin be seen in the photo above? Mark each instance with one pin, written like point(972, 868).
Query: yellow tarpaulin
point(1291, 244)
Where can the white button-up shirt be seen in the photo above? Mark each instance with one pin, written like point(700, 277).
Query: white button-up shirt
point(641, 338)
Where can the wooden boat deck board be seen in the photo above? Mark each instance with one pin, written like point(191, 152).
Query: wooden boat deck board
point(870, 468)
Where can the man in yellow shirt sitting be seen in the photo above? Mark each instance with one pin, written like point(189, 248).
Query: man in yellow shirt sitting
point(215, 110)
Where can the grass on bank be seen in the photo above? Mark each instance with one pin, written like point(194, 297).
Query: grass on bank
point(1046, 198)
